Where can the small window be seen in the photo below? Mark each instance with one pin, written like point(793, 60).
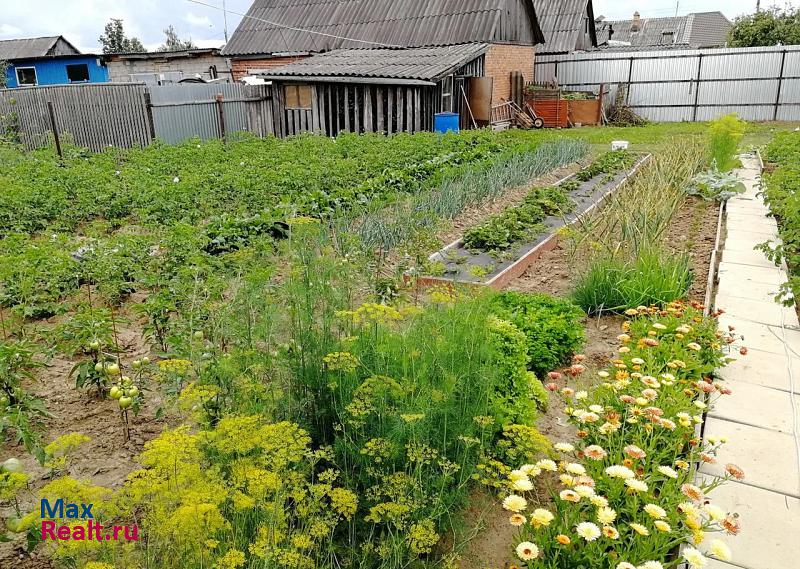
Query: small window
point(78, 73)
point(447, 93)
point(667, 38)
point(298, 96)
point(212, 72)
point(26, 76)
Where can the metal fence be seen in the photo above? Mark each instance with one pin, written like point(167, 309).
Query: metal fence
point(132, 114)
point(759, 84)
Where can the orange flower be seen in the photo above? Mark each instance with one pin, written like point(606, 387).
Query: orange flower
point(693, 492)
point(563, 539)
point(731, 524)
point(734, 471)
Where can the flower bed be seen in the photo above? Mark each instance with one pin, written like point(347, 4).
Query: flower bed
point(625, 495)
point(506, 244)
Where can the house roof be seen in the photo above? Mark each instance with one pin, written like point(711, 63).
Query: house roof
point(313, 26)
point(425, 64)
point(185, 53)
point(31, 48)
point(702, 29)
point(563, 23)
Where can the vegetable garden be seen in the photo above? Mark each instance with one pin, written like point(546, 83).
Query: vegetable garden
point(229, 347)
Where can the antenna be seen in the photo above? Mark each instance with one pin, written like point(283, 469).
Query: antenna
point(677, 7)
point(225, 18)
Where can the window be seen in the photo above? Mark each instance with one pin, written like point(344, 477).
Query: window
point(26, 76)
point(447, 93)
point(298, 96)
point(78, 73)
point(212, 72)
point(667, 38)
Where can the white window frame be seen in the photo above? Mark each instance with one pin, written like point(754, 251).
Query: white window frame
point(35, 76)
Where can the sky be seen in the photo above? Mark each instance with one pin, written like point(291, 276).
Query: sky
point(82, 21)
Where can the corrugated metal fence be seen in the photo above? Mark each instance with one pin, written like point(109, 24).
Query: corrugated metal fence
point(132, 114)
point(760, 84)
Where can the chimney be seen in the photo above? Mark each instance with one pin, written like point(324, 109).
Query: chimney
point(636, 25)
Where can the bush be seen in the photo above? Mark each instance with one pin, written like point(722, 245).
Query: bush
point(552, 327)
point(725, 134)
point(613, 284)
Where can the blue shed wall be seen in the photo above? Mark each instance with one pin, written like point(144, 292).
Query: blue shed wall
point(54, 71)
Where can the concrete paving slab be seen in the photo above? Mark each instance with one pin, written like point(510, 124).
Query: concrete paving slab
point(763, 312)
point(761, 336)
point(739, 407)
point(769, 527)
point(762, 368)
point(753, 291)
point(768, 458)
point(717, 564)
point(744, 241)
point(746, 273)
point(747, 257)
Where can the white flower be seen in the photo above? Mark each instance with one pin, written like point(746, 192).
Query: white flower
point(715, 512)
point(527, 551)
point(514, 503)
point(619, 471)
point(175, 180)
point(655, 512)
point(522, 485)
point(651, 565)
point(720, 550)
point(588, 531)
point(668, 471)
point(547, 464)
point(599, 501)
point(575, 468)
point(606, 515)
point(584, 491)
point(515, 475)
point(625, 565)
point(531, 469)
point(694, 558)
point(581, 395)
point(564, 447)
point(636, 485)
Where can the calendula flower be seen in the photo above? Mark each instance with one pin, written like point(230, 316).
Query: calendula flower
point(606, 515)
point(639, 528)
point(694, 346)
point(619, 471)
point(515, 475)
point(564, 447)
point(575, 468)
point(610, 532)
point(654, 511)
point(694, 558)
point(541, 517)
point(720, 550)
point(698, 536)
point(734, 471)
point(547, 464)
point(714, 512)
point(661, 525)
point(569, 496)
point(636, 485)
point(603, 374)
point(667, 471)
point(588, 531)
point(567, 479)
point(731, 524)
point(531, 469)
point(625, 565)
point(595, 452)
point(688, 509)
point(624, 350)
point(522, 485)
point(514, 503)
point(651, 565)
point(563, 539)
point(634, 452)
point(584, 491)
point(527, 551)
point(581, 395)
point(691, 491)
point(599, 501)
point(517, 520)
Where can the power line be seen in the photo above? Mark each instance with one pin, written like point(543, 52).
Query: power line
point(284, 26)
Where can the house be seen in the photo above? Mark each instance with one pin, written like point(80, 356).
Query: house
point(168, 66)
point(49, 61)
point(567, 25)
point(694, 31)
point(385, 65)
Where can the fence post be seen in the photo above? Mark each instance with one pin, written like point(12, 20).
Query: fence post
point(780, 86)
point(221, 112)
point(697, 87)
point(151, 123)
point(630, 78)
point(55, 129)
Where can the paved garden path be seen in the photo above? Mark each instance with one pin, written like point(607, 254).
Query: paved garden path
point(761, 418)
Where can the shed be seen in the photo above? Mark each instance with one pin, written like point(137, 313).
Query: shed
point(168, 66)
point(375, 90)
point(567, 25)
point(49, 60)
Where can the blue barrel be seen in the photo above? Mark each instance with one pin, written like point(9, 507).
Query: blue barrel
point(444, 122)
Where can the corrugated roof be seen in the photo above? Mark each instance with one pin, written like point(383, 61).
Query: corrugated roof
point(28, 48)
point(702, 29)
point(421, 63)
point(277, 26)
point(563, 24)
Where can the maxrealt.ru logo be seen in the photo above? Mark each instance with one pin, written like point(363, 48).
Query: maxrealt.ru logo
point(88, 531)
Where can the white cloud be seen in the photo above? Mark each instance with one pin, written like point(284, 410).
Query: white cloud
point(7, 31)
point(198, 21)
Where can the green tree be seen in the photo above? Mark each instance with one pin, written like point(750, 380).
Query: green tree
point(114, 39)
point(174, 43)
point(4, 65)
point(773, 26)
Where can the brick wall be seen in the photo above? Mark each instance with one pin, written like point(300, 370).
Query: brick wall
point(242, 67)
point(501, 60)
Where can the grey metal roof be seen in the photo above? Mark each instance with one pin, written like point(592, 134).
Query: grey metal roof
point(563, 24)
point(279, 26)
point(702, 29)
point(415, 64)
point(29, 48)
point(184, 53)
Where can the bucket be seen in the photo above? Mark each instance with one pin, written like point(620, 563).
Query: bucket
point(444, 122)
point(619, 145)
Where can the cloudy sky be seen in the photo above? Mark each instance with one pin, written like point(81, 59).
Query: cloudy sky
point(82, 21)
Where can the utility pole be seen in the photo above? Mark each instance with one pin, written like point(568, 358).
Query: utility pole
point(758, 6)
point(677, 7)
point(225, 18)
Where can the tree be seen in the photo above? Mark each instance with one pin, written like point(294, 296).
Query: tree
point(174, 43)
point(774, 26)
point(114, 40)
point(4, 65)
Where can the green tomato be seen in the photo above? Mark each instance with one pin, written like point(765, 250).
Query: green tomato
point(126, 381)
point(145, 360)
point(11, 465)
point(14, 524)
point(125, 402)
point(115, 392)
point(136, 364)
point(133, 391)
point(4, 401)
point(198, 335)
point(95, 345)
point(98, 367)
point(112, 369)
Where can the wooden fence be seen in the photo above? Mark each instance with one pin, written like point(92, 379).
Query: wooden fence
point(131, 114)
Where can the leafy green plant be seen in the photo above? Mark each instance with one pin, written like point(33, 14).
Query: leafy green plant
point(714, 185)
point(552, 326)
point(608, 163)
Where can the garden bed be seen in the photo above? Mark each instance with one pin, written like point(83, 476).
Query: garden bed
point(461, 265)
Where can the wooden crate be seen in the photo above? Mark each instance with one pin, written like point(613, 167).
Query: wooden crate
point(555, 112)
point(586, 112)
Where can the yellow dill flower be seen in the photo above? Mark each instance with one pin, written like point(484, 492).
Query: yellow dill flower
point(344, 502)
point(422, 537)
point(341, 361)
point(232, 559)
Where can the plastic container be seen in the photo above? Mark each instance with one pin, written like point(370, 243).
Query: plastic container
point(444, 122)
point(619, 145)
